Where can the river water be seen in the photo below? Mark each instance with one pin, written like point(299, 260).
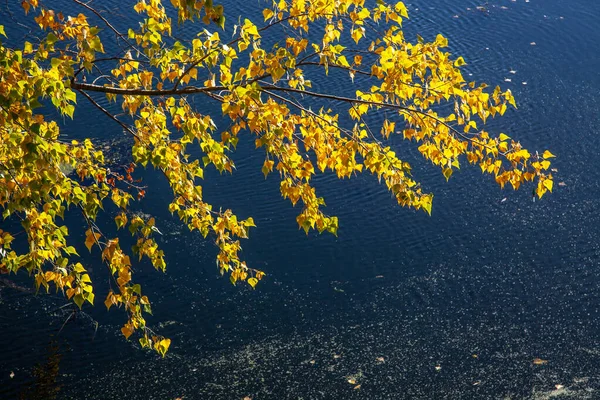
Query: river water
point(453, 306)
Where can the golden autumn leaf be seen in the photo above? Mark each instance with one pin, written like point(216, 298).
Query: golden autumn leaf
point(262, 91)
point(459, 62)
point(91, 238)
point(268, 13)
point(252, 282)
point(127, 330)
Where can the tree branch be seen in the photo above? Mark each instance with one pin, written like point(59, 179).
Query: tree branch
point(81, 87)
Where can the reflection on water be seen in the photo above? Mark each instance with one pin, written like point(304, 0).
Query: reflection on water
point(458, 306)
point(45, 384)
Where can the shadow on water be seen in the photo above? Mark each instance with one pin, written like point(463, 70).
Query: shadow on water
point(45, 385)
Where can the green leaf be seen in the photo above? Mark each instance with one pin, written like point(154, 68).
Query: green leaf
point(78, 268)
point(144, 342)
point(78, 299)
point(51, 38)
point(137, 289)
point(70, 250)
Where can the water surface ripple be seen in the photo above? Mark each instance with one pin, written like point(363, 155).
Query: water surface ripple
point(453, 306)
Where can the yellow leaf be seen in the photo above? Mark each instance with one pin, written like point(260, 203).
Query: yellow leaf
point(163, 346)
point(503, 137)
point(364, 14)
point(545, 164)
point(547, 154)
point(250, 28)
point(459, 62)
point(342, 61)
point(447, 173)
point(357, 34)
point(252, 282)
point(109, 301)
point(401, 8)
point(268, 14)
point(441, 41)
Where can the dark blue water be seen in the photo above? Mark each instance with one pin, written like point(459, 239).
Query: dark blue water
point(452, 306)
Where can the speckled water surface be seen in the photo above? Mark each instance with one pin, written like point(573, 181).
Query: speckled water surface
point(452, 306)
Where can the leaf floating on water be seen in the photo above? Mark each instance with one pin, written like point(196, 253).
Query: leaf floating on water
point(558, 387)
point(352, 381)
point(356, 387)
point(336, 356)
point(12, 374)
point(380, 359)
point(532, 43)
point(562, 184)
point(438, 367)
point(539, 361)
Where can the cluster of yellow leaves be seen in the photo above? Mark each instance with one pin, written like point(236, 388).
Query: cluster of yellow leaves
point(262, 91)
